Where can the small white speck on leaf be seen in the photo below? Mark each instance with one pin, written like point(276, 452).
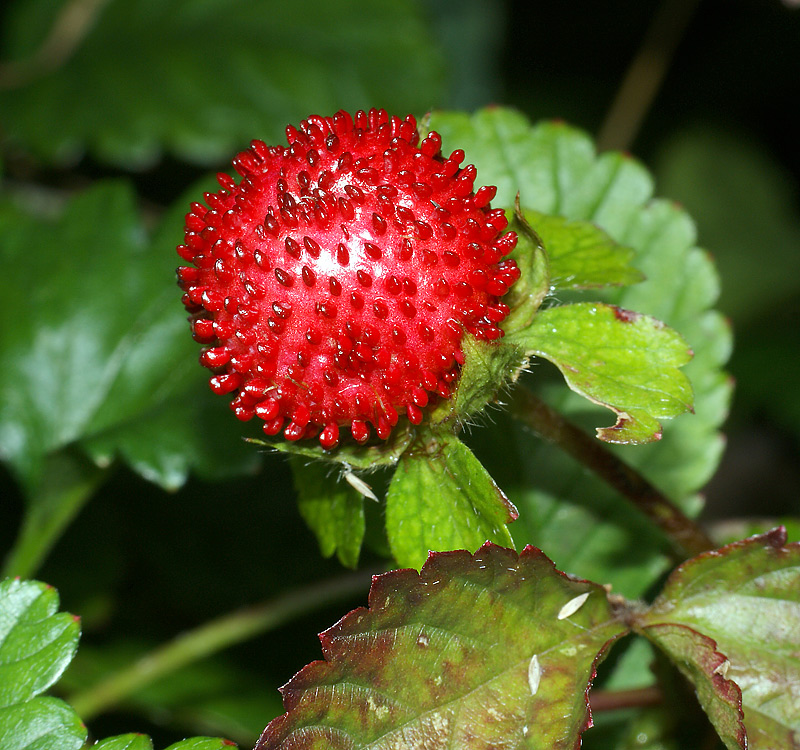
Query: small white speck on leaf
point(359, 485)
point(573, 605)
point(723, 668)
point(534, 674)
point(380, 711)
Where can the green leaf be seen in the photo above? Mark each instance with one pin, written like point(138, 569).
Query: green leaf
point(202, 743)
point(582, 256)
point(99, 353)
point(475, 651)
point(37, 642)
point(588, 529)
point(41, 724)
point(227, 72)
point(552, 166)
point(333, 509)
point(615, 358)
point(125, 742)
point(142, 742)
point(441, 498)
point(746, 597)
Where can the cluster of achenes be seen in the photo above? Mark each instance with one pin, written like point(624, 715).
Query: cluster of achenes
point(334, 283)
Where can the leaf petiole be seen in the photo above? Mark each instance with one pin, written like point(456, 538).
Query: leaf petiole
point(686, 537)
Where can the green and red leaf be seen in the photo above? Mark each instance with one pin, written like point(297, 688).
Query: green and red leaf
point(490, 649)
point(745, 599)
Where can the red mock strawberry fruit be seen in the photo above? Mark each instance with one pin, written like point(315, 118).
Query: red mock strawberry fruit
point(334, 282)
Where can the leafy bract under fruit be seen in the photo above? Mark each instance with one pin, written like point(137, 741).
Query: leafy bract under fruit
point(334, 283)
point(493, 649)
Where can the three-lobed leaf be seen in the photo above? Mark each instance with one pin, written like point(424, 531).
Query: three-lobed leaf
point(485, 650)
point(744, 600)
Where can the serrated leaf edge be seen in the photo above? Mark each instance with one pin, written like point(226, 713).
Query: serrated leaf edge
point(294, 689)
point(723, 687)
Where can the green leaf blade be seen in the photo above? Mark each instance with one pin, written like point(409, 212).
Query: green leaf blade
point(100, 354)
point(556, 170)
point(553, 166)
point(622, 360)
point(581, 255)
point(202, 743)
point(333, 509)
point(746, 597)
point(442, 498)
point(42, 723)
point(125, 742)
point(445, 658)
point(37, 642)
point(277, 70)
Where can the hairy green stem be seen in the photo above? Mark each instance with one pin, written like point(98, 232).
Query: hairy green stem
point(686, 536)
point(69, 481)
point(645, 74)
point(212, 637)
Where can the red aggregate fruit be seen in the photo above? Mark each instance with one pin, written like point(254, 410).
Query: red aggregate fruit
point(333, 284)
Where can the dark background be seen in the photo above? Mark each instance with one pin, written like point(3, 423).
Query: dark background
point(721, 136)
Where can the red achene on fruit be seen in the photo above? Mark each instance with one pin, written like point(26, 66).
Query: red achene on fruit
point(333, 284)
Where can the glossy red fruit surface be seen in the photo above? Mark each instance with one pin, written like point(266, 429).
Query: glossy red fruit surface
point(334, 282)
